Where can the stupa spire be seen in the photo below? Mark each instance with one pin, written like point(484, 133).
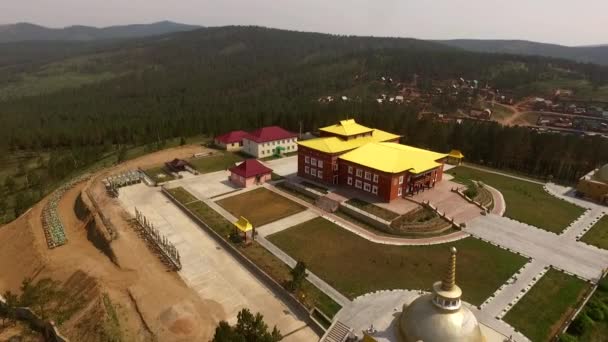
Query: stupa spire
point(449, 281)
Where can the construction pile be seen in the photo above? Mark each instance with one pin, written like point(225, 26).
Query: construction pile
point(168, 252)
point(54, 231)
point(115, 182)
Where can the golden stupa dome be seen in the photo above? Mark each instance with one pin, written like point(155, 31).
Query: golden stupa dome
point(440, 316)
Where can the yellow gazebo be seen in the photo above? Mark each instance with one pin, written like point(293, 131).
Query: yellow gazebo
point(243, 225)
point(455, 157)
point(367, 338)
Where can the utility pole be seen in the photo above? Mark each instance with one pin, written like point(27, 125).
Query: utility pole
point(300, 137)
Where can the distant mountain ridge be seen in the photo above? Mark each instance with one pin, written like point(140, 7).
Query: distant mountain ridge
point(31, 32)
point(597, 54)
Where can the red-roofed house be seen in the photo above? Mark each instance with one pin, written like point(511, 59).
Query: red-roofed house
point(231, 141)
point(268, 141)
point(249, 172)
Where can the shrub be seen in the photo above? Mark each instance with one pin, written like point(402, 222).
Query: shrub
point(581, 324)
point(471, 192)
point(567, 338)
point(603, 285)
point(596, 314)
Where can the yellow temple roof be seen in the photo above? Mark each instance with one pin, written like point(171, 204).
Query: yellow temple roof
point(394, 158)
point(456, 154)
point(243, 225)
point(337, 145)
point(346, 128)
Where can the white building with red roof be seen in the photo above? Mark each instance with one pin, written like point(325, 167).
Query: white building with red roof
point(261, 143)
point(250, 172)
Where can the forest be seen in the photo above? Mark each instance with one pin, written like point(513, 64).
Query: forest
point(68, 106)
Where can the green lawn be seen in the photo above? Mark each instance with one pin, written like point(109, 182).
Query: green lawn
point(159, 175)
point(373, 209)
point(541, 312)
point(526, 201)
point(598, 234)
point(309, 295)
point(329, 250)
point(219, 162)
point(260, 206)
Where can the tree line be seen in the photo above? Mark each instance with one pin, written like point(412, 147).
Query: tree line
point(215, 80)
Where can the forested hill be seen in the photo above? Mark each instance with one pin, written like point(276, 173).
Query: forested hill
point(212, 80)
point(590, 54)
point(31, 32)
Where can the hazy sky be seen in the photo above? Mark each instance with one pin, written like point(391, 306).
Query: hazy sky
point(567, 22)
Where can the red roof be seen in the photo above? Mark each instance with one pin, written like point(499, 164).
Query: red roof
point(231, 137)
point(250, 168)
point(270, 133)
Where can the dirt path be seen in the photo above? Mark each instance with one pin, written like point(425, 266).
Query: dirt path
point(152, 303)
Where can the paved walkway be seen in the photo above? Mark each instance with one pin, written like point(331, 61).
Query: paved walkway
point(314, 279)
point(582, 224)
point(280, 225)
point(500, 206)
point(548, 248)
point(508, 294)
point(448, 202)
point(471, 166)
point(366, 234)
point(568, 194)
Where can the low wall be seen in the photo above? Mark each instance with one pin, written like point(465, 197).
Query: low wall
point(365, 217)
point(303, 190)
point(47, 329)
point(291, 301)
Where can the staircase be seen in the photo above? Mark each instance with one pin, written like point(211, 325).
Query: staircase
point(338, 332)
point(327, 204)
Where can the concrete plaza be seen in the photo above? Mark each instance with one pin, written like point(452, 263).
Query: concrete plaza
point(209, 269)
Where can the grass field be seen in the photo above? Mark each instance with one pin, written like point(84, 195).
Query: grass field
point(598, 234)
point(373, 209)
point(260, 206)
point(329, 250)
point(219, 162)
point(526, 202)
point(546, 306)
point(159, 175)
point(309, 295)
